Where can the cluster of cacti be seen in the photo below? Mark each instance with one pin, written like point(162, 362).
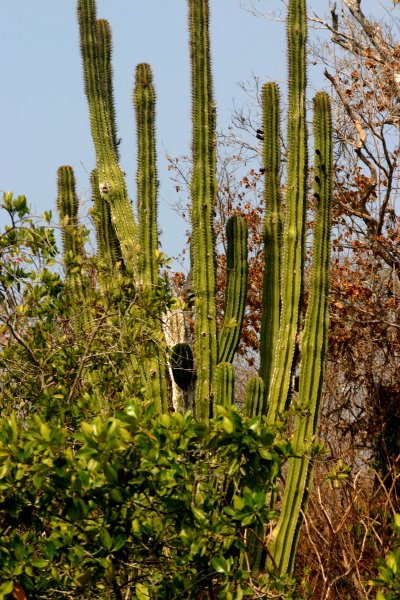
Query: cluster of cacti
point(122, 240)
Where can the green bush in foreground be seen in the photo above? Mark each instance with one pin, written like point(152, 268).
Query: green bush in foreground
point(134, 507)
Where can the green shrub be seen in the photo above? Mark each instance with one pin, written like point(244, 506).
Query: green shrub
point(134, 506)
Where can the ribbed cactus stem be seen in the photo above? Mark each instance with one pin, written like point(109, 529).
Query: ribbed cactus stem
point(294, 228)
point(236, 287)
point(273, 220)
point(203, 194)
point(144, 100)
point(108, 247)
point(104, 50)
point(68, 206)
point(313, 348)
point(98, 90)
point(254, 397)
point(224, 385)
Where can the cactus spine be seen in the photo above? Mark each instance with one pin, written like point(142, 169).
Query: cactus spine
point(203, 194)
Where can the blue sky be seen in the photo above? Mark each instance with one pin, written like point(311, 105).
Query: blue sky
point(43, 112)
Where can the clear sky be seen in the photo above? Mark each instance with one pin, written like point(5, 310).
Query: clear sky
point(43, 112)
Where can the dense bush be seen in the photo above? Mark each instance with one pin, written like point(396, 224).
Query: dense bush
point(152, 507)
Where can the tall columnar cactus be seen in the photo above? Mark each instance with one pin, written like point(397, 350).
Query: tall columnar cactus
point(254, 397)
point(148, 271)
point(313, 349)
point(203, 187)
point(97, 77)
point(294, 227)
point(144, 100)
point(269, 393)
point(68, 207)
point(273, 220)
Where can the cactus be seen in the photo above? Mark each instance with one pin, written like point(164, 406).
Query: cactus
point(254, 397)
point(112, 185)
point(269, 394)
point(236, 287)
point(108, 247)
point(224, 385)
point(203, 195)
point(313, 349)
point(294, 226)
point(273, 220)
point(144, 101)
point(67, 205)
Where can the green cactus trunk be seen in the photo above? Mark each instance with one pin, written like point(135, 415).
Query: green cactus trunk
point(224, 385)
point(294, 227)
point(109, 255)
point(272, 235)
point(67, 205)
point(97, 77)
point(144, 100)
point(203, 187)
point(254, 397)
point(313, 349)
point(236, 287)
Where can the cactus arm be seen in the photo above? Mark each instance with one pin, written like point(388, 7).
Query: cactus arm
point(294, 228)
point(254, 396)
point(144, 101)
point(236, 287)
point(272, 235)
point(203, 194)
point(112, 183)
point(313, 348)
point(108, 247)
point(104, 48)
point(224, 385)
point(67, 205)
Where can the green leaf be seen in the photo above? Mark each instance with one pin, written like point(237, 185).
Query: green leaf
point(39, 563)
point(142, 592)
point(220, 565)
point(110, 473)
point(227, 425)
point(6, 587)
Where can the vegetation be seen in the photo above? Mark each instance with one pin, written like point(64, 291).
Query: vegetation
point(126, 470)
